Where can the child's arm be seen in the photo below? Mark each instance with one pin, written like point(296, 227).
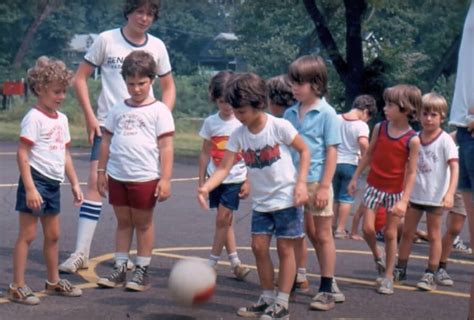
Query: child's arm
point(244, 189)
point(216, 178)
point(363, 145)
point(204, 158)
point(163, 188)
point(82, 93)
point(364, 162)
point(33, 198)
point(321, 194)
point(400, 207)
point(301, 190)
point(448, 199)
point(102, 186)
point(72, 176)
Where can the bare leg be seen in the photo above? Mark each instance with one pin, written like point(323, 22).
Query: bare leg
point(224, 234)
point(434, 236)
point(124, 233)
point(261, 250)
point(26, 235)
point(344, 211)
point(286, 254)
point(51, 226)
point(143, 223)
point(355, 223)
point(454, 223)
point(412, 218)
point(390, 233)
point(369, 231)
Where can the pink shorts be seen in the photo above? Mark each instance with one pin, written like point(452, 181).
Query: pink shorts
point(137, 195)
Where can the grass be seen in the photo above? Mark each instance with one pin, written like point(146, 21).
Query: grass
point(187, 142)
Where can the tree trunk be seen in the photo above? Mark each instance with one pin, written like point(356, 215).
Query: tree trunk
point(354, 54)
point(46, 9)
point(351, 69)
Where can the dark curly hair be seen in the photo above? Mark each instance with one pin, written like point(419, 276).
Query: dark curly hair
point(279, 91)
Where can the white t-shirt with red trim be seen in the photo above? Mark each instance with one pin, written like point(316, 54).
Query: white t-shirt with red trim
point(432, 170)
point(108, 52)
point(351, 131)
point(217, 131)
point(271, 172)
point(49, 137)
point(134, 153)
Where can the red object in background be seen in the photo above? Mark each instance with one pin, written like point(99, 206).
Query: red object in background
point(380, 218)
point(13, 88)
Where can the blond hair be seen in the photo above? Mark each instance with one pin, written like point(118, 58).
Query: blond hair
point(46, 71)
point(434, 102)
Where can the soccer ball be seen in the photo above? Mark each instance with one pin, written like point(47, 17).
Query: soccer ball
point(191, 282)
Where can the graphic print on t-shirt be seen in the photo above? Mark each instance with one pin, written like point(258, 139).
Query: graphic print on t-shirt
point(218, 149)
point(261, 158)
point(129, 124)
point(56, 138)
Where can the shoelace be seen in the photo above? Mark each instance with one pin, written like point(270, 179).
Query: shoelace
point(25, 291)
point(65, 285)
point(138, 275)
point(118, 272)
point(77, 261)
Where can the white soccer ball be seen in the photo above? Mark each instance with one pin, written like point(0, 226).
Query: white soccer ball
point(191, 282)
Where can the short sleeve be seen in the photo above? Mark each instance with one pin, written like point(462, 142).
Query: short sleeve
point(451, 149)
point(30, 128)
point(163, 63)
point(165, 123)
point(333, 130)
point(234, 144)
point(286, 131)
point(205, 131)
point(96, 53)
point(110, 120)
point(363, 130)
point(67, 134)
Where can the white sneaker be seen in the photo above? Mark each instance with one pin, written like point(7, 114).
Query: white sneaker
point(339, 297)
point(76, 261)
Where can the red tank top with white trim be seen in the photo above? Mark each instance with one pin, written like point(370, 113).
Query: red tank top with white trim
point(389, 160)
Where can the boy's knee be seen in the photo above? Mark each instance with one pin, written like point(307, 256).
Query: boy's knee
point(368, 231)
point(390, 235)
point(259, 249)
point(223, 221)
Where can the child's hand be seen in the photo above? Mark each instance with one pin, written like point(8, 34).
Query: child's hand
point(203, 194)
point(163, 190)
point(321, 197)
point(448, 201)
point(300, 194)
point(351, 188)
point(400, 208)
point(244, 190)
point(102, 184)
point(34, 200)
point(77, 193)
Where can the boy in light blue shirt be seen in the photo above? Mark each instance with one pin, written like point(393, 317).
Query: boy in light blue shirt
point(317, 122)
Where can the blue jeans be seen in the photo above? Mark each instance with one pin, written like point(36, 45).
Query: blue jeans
point(342, 177)
point(284, 223)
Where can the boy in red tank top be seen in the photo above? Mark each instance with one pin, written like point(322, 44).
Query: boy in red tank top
point(392, 157)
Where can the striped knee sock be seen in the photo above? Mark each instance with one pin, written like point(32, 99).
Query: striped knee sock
point(89, 214)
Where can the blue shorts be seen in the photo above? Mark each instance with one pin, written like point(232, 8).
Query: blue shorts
point(466, 163)
point(284, 223)
point(49, 190)
point(342, 177)
point(95, 150)
point(226, 194)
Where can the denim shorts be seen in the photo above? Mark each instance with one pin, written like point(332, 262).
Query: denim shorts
point(95, 150)
point(226, 194)
point(466, 164)
point(284, 223)
point(342, 177)
point(49, 190)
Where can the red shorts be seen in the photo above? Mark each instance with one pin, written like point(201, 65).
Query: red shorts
point(137, 195)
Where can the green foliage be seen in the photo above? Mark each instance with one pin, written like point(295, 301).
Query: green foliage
point(192, 96)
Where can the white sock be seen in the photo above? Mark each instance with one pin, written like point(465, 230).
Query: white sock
point(268, 296)
point(89, 214)
point(213, 260)
point(282, 299)
point(301, 275)
point(120, 258)
point(234, 259)
point(143, 261)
